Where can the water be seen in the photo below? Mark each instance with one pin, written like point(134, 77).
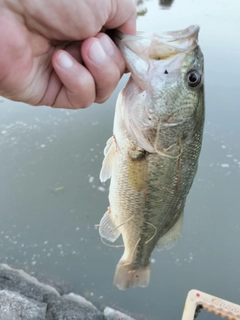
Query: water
point(51, 197)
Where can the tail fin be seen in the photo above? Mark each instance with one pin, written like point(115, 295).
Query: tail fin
point(126, 277)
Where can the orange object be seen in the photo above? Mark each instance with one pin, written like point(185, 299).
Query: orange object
point(197, 299)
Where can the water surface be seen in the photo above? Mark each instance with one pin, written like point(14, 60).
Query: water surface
point(51, 196)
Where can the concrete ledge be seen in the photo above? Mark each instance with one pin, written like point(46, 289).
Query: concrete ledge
point(24, 297)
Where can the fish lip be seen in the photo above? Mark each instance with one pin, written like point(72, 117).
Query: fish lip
point(182, 40)
point(176, 35)
point(116, 35)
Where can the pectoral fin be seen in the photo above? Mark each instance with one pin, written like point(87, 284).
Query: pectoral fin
point(171, 237)
point(108, 229)
point(137, 169)
point(109, 153)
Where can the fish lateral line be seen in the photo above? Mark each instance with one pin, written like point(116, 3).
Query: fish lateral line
point(179, 163)
point(121, 224)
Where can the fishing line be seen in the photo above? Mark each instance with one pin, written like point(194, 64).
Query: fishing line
point(128, 263)
point(155, 145)
point(124, 222)
point(111, 245)
point(114, 246)
point(154, 232)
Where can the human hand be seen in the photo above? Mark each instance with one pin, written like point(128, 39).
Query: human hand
point(53, 53)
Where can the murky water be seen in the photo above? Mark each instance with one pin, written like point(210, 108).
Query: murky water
point(51, 197)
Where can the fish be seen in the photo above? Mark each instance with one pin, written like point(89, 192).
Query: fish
point(152, 157)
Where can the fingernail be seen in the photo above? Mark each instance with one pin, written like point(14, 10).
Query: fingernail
point(65, 61)
point(107, 45)
point(96, 53)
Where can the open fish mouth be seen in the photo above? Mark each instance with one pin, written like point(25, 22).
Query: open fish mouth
point(146, 52)
point(187, 33)
point(158, 45)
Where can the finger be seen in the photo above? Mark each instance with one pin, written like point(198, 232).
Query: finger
point(54, 83)
point(105, 62)
point(123, 16)
point(78, 87)
point(129, 27)
point(71, 19)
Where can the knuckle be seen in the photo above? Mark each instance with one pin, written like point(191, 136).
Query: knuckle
point(104, 90)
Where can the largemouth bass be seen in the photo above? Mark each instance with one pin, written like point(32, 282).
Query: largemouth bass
point(152, 157)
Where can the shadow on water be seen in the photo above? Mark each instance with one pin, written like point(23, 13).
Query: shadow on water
point(142, 9)
point(51, 196)
point(165, 4)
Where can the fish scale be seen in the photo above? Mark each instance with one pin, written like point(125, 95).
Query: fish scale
point(152, 157)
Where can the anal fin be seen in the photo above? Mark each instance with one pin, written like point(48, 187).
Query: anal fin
point(107, 228)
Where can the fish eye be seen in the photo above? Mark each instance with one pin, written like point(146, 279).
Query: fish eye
point(193, 78)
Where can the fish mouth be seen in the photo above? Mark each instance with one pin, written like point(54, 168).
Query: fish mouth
point(174, 42)
point(144, 53)
point(190, 32)
point(158, 46)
